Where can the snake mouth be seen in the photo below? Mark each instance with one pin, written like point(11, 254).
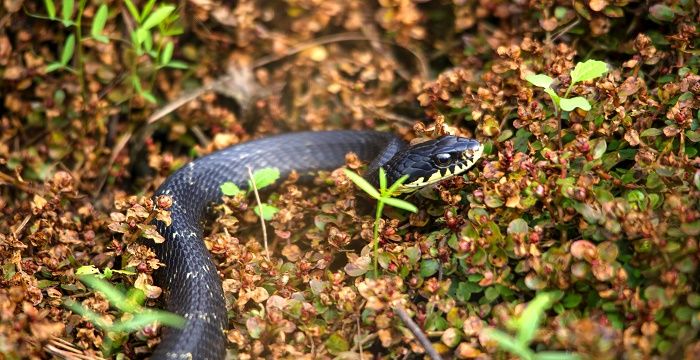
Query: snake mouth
point(471, 152)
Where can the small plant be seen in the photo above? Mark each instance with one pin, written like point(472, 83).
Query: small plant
point(133, 317)
point(107, 273)
point(584, 71)
point(163, 18)
point(262, 178)
point(383, 196)
point(525, 327)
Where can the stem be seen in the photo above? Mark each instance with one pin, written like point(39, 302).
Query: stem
point(260, 211)
point(377, 218)
point(79, 41)
point(417, 332)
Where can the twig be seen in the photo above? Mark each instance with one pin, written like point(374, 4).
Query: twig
point(260, 212)
point(359, 337)
point(66, 350)
point(417, 332)
point(9, 180)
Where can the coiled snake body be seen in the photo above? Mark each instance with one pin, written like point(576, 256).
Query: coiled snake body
point(191, 285)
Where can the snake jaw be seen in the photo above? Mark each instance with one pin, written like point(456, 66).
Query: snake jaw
point(456, 154)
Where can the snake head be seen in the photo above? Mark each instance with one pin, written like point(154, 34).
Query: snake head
point(432, 161)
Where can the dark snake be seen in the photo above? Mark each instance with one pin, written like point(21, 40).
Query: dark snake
point(189, 279)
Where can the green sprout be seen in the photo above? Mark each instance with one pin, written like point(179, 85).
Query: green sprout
point(382, 196)
point(144, 38)
point(262, 178)
point(134, 316)
point(525, 327)
point(583, 71)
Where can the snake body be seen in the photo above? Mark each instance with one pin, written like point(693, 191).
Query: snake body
point(191, 284)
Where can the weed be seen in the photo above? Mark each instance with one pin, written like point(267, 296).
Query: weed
point(525, 327)
point(151, 23)
point(262, 178)
point(383, 196)
point(584, 71)
point(133, 316)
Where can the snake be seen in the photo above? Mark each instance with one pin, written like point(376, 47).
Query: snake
point(190, 282)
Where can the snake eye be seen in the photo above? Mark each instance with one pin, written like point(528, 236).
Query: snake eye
point(442, 159)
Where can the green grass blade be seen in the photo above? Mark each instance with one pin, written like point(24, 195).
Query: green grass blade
point(50, 8)
point(401, 204)
point(556, 355)
point(382, 180)
point(158, 16)
point(147, 8)
point(508, 343)
point(67, 12)
point(98, 24)
point(362, 184)
point(68, 49)
point(114, 296)
point(133, 10)
point(145, 318)
point(167, 53)
point(91, 316)
point(391, 190)
point(530, 319)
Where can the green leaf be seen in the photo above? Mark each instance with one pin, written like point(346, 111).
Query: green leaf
point(556, 355)
point(90, 315)
point(553, 95)
point(176, 64)
point(401, 204)
point(392, 189)
point(508, 343)
point(362, 184)
point(167, 53)
point(268, 211)
point(114, 296)
point(573, 103)
point(145, 318)
point(531, 317)
point(158, 16)
point(50, 8)
point(696, 179)
point(53, 67)
point(230, 189)
point(429, 267)
point(148, 96)
point(147, 8)
point(588, 70)
point(98, 24)
point(67, 12)
point(382, 180)
point(650, 132)
point(517, 226)
point(540, 80)
point(87, 270)
point(265, 177)
point(68, 49)
point(336, 344)
point(133, 10)
point(693, 136)
point(662, 13)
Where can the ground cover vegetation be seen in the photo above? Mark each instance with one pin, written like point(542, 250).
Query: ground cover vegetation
point(576, 235)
